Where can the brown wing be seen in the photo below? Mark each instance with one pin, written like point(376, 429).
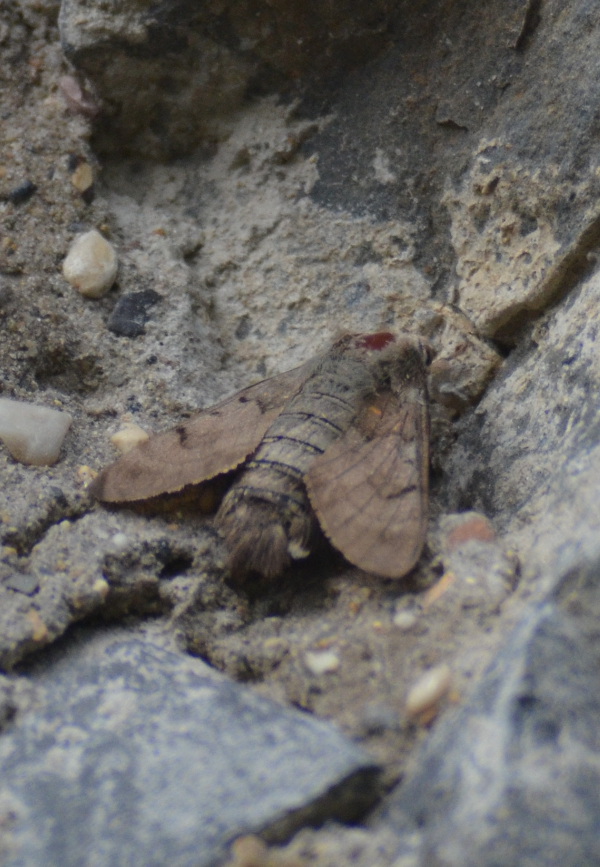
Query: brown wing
point(216, 441)
point(369, 489)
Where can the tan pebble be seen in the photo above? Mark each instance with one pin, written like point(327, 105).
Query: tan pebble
point(8, 551)
point(275, 643)
point(85, 474)
point(130, 436)
point(83, 177)
point(327, 642)
point(101, 587)
point(428, 690)
point(473, 527)
point(91, 265)
point(249, 851)
point(321, 662)
point(40, 631)
point(32, 434)
point(439, 589)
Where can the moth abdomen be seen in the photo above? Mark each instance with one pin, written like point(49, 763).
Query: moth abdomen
point(308, 426)
point(251, 493)
point(281, 467)
point(256, 539)
point(286, 452)
point(265, 528)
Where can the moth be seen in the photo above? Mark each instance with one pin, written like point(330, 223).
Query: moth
point(340, 443)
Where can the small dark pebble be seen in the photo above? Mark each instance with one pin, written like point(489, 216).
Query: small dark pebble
point(377, 718)
point(133, 404)
point(8, 709)
point(58, 496)
point(22, 583)
point(243, 328)
point(131, 312)
point(21, 193)
point(74, 160)
point(88, 195)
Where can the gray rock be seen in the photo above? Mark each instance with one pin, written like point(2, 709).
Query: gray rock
point(514, 776)
point(141, 756)
point(536, 435)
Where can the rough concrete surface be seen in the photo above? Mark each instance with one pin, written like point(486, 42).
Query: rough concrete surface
point(271, 175)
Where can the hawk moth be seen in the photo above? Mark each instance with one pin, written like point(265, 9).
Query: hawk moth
point(340, 443)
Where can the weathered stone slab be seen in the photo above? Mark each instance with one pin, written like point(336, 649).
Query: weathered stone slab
point(514, 777)
point(537, 437)
point(140, 756)
point(75, 567)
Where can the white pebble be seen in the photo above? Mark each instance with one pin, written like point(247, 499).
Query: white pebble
point(120, 541)
point(91, 264)
point(128, 437)
point(32, 434)
point(405, 620)
point(428, 690)
point(322, 661)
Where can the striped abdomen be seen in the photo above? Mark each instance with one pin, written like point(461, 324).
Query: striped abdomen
point(267, 508)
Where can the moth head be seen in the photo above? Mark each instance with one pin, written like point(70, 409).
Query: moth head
point(388, 344)
point(363, 345)
point(373, 342)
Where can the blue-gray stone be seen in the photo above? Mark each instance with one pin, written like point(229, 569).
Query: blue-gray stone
point(137, 755)
point(514, 776)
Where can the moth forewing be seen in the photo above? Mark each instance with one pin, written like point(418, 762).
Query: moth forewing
point(215, 441)
point(369, 489)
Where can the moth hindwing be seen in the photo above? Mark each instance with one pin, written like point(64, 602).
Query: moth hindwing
point(340, 443)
